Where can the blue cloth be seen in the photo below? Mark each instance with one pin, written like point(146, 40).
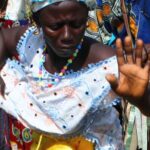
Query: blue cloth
point(139, 10)
point(142, 12)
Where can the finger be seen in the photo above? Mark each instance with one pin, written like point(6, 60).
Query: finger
point(138, 52)
point(128, 50)
point(119, 52)
point(112, 80)
point(147, 65)
point(144, 55)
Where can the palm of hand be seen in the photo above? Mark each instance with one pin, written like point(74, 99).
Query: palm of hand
point(132, 81)
point(133, 77)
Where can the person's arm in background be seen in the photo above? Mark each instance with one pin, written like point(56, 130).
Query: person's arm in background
point(8, 42)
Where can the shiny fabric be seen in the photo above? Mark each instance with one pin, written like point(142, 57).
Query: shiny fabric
point(39, 4)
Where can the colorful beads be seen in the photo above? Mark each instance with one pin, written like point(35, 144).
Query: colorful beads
point(63, 70)
point(50, 85)
point(75, 54)
point(65, 67)
point(61, 74)
point(57, 80)
point(69, 61)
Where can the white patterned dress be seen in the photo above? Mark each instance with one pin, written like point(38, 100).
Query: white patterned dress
point(80, 104)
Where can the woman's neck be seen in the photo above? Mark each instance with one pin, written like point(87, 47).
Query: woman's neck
point(54, 63)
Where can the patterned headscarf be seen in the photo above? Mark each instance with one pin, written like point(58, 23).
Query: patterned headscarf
point(39, 4)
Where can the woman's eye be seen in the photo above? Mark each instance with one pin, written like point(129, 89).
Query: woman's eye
point(76, 25)
point(72, 24)
point(55, 26)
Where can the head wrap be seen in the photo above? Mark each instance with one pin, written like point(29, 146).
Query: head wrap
point(39, 4)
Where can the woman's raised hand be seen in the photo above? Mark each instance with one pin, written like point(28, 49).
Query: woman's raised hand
point(133, 76)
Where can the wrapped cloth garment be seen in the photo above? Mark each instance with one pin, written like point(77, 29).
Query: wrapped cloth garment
point(15, 10)
point(79, 105)
point(39, 4)
point(106, 23)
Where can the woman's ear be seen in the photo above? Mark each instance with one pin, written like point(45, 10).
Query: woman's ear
point(35, 19)
point(36, 23)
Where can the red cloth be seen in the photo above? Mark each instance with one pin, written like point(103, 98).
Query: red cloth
point(20, 136)
point(6, 23)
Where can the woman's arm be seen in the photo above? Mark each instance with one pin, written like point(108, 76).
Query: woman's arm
point(8, 41)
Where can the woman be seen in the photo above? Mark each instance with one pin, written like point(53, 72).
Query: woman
point(58, 87)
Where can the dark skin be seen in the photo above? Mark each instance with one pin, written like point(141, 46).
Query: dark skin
point(64, 30)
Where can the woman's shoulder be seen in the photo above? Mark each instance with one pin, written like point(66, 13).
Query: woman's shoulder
point(20, 31)
point(98, 51)
point(16, 31)
point(12, 35)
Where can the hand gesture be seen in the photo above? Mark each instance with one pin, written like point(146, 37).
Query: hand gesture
point(133, 77)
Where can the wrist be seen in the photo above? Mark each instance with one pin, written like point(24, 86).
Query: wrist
point(143, 103)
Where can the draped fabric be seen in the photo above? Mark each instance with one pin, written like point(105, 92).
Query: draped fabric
point(81, 104)
point(39, 4)
point(106, 22)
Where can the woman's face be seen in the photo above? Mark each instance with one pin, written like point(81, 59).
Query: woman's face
point(63, 26)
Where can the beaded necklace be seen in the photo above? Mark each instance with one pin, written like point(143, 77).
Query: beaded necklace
point(63, 70)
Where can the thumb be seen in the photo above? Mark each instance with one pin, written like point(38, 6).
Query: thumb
point(112, 80)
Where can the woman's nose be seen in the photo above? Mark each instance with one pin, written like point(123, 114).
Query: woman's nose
point(67, 35)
